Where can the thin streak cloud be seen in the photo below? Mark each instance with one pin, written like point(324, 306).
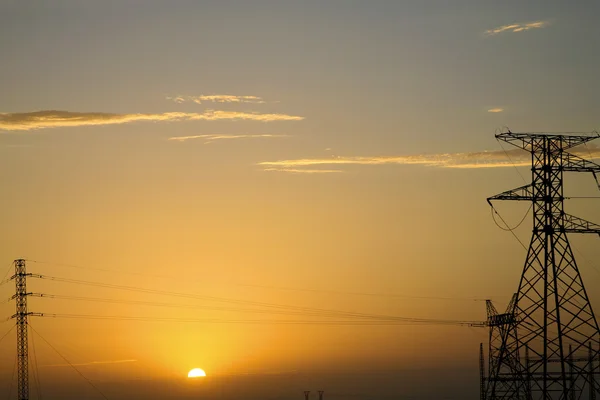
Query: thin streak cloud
point(484, 159)
point(303, 171)
point(90, 363)
point(55, 119)
point(211, 138)
point(217, 98)
point(518, 27)
point(496, 110)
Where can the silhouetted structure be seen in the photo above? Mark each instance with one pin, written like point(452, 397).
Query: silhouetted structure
point(21, 314)
point(545, 345)
point(306, 394)
point(501, 362)
point(321, 394)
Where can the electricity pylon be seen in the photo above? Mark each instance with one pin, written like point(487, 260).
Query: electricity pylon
point(20, 297)
point(555, 325)
point(503, 362)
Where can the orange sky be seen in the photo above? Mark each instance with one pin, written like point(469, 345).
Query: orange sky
point(301, 155)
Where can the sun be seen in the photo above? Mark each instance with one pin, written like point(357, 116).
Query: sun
point(196, 373)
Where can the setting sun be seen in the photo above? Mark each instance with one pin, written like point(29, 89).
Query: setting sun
point(196, 373)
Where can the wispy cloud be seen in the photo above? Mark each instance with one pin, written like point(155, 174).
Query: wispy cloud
point(211, 138)
point(53, 119)
point(90, 363)
point(521, 27)
point(15, 146)
point(217, 98)
point(496, 110)
point(303, 171)
point(483, 159)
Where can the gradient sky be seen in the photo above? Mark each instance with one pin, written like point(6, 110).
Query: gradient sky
point(328, 154)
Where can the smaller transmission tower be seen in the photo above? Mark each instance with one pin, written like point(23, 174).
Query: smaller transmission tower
point(504, 368)
point(20, 297)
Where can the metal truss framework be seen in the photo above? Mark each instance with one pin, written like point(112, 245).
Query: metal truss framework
point(545, 347)
point(20, 297)
point(504, 361)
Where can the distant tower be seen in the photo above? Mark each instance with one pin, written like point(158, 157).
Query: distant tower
point(503, 362)
point(321, 394)
point(306, 394)
point(21, 314)
point(555, 324)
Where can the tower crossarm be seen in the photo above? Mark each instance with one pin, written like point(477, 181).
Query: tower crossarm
point(28, 274)
point(523, 193)
point(33, 314)
point(525, 140)
point(574, 163)
point(14, 296)
point(573, 224)
point(490, 309)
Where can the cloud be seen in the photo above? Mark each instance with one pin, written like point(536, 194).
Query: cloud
point(16, 146)
point(90, 363)
point(218, 98)
point(518, 27)
point(54, 119)
point(303, 171)
point(496, 110)
point(483, 159)
point(211, 138)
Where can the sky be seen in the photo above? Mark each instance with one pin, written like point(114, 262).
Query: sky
point(229, 175)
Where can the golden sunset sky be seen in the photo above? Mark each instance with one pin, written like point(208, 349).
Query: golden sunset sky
point(332, 155)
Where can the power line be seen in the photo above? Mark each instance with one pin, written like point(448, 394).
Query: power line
point(267, 322)
point(4, 280)
point(366, 293)
point(511, 161)
point(68, 362)
point(509, 229)
point(182, 306)
point(103, 269)
point(590, 263)
point(36, 371)
point(218, 299)
point(6, 334)
point(340, 292)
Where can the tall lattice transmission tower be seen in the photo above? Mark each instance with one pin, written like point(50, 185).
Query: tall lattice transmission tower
point(20, 297)
point(549, 340)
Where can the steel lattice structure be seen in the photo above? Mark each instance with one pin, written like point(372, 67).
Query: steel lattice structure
point(549, 350)
point(504, 360)
point(20, 278)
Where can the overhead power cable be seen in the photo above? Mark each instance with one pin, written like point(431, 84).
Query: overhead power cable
point(224, 300)
point(337, 292)
point(366, 293)
point(6, 334)
point(508, 228)
point(511, 160)
point(183, 306)
point(68, 362)
point(268, 322)
point(35, 370)
point(4, 279)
